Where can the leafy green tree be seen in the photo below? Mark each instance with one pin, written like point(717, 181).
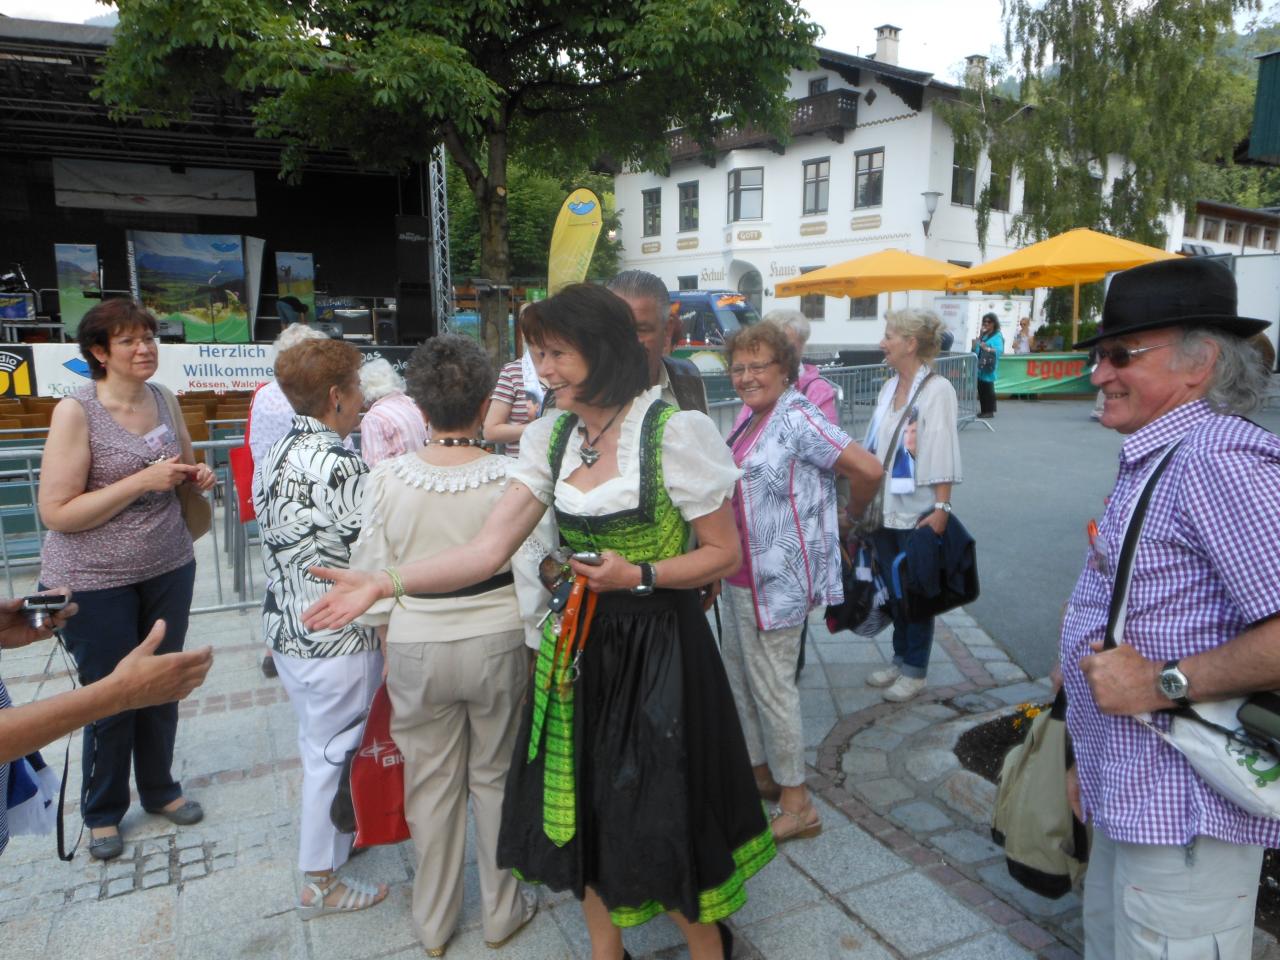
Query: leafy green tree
point(1144, 80)
point(534, 201)
point(567, 81)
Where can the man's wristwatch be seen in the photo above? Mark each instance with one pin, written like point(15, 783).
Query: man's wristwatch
point(943, 505)
point(1174, 684)
point(648, 577)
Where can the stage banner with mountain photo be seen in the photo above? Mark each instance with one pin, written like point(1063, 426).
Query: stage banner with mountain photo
point(296, 277)
point(79, 286)
point(197, 280)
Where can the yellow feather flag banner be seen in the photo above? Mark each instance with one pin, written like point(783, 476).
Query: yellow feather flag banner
point(573, 240)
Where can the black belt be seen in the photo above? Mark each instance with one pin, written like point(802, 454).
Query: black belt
point(484, 586)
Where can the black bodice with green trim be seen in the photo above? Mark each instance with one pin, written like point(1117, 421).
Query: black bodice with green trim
point(654, 529)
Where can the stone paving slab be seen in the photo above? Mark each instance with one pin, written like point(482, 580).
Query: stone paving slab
point(868, 887)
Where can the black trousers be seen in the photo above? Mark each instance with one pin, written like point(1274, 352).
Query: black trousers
point(110, 624)
point(987, 396)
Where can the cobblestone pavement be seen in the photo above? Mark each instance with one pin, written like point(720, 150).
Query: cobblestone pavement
point(902, 868)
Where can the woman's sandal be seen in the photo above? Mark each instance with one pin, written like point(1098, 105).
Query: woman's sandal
point(356, 895)
point(498, 944)
point(794, 825)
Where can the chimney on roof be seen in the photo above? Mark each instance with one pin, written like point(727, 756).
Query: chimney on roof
point(975, 69)
point(887, 43)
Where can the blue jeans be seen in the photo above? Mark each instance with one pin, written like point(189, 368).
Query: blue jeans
point(912, 642)
point(109, 625)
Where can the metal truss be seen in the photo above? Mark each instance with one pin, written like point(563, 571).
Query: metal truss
point(441, 283)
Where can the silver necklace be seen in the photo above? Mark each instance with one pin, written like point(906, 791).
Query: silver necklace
point(588, 450)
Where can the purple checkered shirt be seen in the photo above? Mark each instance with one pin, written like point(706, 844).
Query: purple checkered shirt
point(1207, 567)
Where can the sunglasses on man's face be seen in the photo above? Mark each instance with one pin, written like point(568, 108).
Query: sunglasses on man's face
point(1119, 356)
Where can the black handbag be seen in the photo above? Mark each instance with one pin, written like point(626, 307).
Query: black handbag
point(865, 606)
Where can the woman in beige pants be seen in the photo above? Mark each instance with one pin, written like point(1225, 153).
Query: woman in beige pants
point(457, 666)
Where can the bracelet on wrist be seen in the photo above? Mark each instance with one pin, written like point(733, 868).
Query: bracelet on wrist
point(397, 585)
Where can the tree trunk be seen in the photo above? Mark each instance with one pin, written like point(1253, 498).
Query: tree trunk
point(495, 251)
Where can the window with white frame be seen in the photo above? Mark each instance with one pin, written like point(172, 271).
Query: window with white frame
point(963, 177)
point(1001, 188)
point(868, 177)
point(688, 206)
point(651, 201)
point(813, 306)
point(817, 183)
point(864, 308)
point(746, 194)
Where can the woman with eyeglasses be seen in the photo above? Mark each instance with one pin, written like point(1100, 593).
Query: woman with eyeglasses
point(785, 509)
point(915, 415)
point(988, 346)
point(629, 785)
point(113, 461)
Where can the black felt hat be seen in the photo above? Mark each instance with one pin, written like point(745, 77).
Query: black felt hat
point(1183, 292)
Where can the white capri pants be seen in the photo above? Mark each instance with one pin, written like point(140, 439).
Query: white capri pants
point(761, 665)
point(327, 693)
point(1157, 902)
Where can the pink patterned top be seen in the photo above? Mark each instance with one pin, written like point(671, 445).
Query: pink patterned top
point(146, 538)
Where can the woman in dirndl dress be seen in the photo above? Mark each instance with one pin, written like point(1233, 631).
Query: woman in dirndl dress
point(630, 785)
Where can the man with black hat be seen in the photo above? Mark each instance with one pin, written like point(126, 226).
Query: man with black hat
point(1174, 866)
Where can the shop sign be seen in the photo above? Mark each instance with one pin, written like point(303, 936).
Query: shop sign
point(749, 235)
point(687, 243)
point(1057, 369)
point(17, 372)
point(865, 223)
point(813, 229)
point(652, 246)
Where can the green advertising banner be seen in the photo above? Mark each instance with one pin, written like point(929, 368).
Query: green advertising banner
point(78, 286)
point(1044, 373)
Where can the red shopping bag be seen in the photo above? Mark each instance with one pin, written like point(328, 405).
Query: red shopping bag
point(377, 780)
point(241, 460)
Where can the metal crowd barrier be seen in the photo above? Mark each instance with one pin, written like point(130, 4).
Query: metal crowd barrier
point(230, 547)
point(856, 392)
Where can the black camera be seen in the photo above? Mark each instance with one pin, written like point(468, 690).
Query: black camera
point(41, 607)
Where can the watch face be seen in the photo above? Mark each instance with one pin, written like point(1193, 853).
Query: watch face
point(1173, 685)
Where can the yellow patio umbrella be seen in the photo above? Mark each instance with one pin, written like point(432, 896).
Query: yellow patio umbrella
point(1069, 259)
point(883, 272)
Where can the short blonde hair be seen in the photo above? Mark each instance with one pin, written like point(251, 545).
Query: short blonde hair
point(923, 326)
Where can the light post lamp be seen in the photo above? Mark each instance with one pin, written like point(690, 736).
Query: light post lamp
point(930, 205)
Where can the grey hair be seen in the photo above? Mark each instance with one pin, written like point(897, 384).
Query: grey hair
point(379, 379)
point(449, 378)
point(1239, 380)
point(639, 285)
point(791, 320)
point(295, 334)
point(923, 325)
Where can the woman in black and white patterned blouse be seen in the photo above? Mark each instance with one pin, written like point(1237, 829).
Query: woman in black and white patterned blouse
point(309, 510)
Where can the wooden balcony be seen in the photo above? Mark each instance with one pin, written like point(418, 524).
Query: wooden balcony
point(830, 113)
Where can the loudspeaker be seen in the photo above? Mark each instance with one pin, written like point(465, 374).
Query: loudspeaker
point(413, 249)
point(384, 327)
point(415, 317)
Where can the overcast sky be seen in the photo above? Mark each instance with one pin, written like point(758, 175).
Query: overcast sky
point(936, 34)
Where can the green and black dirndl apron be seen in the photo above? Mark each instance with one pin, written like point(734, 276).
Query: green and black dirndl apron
point(633, 778)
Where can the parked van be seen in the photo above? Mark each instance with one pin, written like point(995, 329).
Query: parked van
point(700, 322)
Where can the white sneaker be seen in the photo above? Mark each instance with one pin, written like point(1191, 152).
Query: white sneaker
point(905, 688)
point(882, 678)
